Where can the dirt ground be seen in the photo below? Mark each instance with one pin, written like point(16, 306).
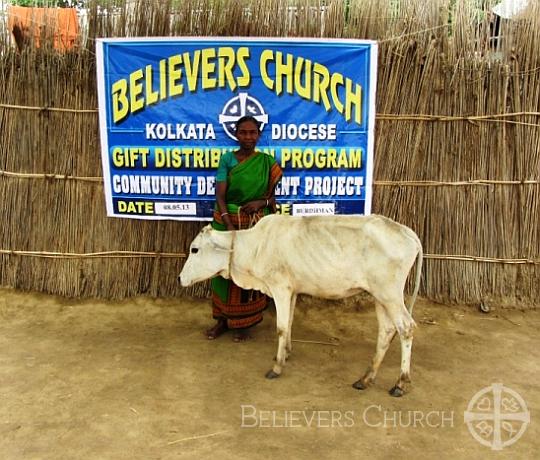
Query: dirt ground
point(87, 379)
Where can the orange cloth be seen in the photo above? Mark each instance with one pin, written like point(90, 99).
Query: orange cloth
point(60, 24)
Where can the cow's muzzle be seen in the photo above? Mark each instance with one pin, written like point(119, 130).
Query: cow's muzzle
point(183, 281)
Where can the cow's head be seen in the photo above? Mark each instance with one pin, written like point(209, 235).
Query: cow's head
point(209, 255)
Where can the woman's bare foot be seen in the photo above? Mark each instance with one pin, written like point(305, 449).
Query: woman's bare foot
point(241, 335)
point(217, 330)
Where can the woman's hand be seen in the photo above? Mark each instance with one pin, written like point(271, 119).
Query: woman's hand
point(227, 221)
point(253, 206)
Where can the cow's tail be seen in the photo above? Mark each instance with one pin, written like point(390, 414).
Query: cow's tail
point(419, 261)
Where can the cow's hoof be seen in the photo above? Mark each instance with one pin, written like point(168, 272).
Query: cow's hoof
point(271, 374)
point(396, 392)
point(359, 385)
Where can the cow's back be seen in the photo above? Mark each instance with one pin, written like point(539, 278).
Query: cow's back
point(330, 256)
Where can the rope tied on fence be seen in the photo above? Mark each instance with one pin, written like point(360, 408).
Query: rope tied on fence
point(382, 183)
point(497, 117)
point(433, 183)
point(47, 108)
point(50, 176)
point(92, 255)
point(183, 255)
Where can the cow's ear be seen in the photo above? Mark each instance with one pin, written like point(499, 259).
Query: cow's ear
point(221, 241)
point(216, 245)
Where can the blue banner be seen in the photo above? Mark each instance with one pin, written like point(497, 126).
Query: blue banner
point(168, 107)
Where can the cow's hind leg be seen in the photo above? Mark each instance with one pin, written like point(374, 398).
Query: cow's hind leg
point(406, 338)
point(282, 299)
point(405, 326)
point(387, 331)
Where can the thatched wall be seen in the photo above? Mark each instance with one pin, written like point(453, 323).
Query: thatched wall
point(456, 156)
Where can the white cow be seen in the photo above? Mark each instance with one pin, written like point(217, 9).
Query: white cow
point(324, 256)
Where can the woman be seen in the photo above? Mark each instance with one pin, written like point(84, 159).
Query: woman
point(245, 180)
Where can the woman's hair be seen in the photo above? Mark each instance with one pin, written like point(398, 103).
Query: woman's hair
point(247, 118)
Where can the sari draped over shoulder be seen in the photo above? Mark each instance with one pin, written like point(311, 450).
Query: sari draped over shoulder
point(252, 179)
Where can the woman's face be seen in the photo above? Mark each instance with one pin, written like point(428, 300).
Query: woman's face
point(247, 134)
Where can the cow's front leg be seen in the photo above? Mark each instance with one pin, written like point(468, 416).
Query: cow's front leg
point(289, 335)
point(282, 299)
point(387, 331)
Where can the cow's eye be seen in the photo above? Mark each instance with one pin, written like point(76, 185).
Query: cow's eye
point(194, 250)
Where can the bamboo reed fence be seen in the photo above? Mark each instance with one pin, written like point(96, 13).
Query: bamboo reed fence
point(456, 156)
